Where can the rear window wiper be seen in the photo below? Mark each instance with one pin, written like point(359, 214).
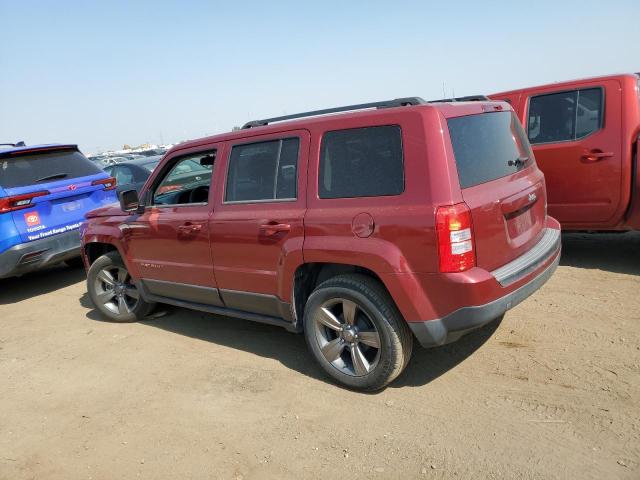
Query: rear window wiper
point(55, 176)
point(518, 161)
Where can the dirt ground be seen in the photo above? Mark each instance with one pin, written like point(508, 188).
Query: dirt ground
point(551, 392)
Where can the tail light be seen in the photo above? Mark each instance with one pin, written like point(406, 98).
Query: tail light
point(108, 183)
point(18, 202)
point(455, 238)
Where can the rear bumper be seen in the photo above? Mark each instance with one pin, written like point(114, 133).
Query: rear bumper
point(30, 256)
point(520, 279)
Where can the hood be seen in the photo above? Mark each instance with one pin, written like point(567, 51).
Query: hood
point(110, 210)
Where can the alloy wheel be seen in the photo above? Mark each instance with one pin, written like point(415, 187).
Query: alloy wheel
point(347, 337)
point(114, 290)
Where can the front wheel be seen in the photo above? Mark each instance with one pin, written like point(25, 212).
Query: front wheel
point(356, 333)
point(112, 292)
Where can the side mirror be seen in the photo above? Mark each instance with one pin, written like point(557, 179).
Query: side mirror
point(129, 201)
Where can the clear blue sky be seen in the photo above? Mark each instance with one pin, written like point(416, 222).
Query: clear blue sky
point(105, 73)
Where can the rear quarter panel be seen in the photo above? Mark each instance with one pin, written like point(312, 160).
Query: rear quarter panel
point(403, 238)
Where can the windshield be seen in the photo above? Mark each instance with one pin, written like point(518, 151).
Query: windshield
point(35, 168)
point(488, 146)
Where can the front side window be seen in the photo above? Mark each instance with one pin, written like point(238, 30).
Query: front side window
point(263, 171)
point(187, 181)
point(564, 116)
point(361, 162)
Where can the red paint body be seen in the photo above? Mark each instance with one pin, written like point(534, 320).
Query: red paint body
point(592, 182)
point(258, 247)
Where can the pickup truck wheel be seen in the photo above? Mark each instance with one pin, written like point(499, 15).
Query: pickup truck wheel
point(356, 333)
point(112, 292)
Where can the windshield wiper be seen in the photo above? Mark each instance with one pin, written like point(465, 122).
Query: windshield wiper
point(518, 162)
point(55, 176)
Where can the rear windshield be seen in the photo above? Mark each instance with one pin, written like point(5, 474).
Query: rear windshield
point(151, 166)
point(33, 169)
point(488, 146)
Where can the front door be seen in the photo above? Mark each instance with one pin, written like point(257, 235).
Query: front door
point(576, 140)
point(169, 242)
point(257, 227)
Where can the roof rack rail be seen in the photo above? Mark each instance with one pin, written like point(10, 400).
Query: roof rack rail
point(397, 102)
point(19, 144)
point(469, 98)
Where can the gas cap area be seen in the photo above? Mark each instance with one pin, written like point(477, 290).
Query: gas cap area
point(362, 225)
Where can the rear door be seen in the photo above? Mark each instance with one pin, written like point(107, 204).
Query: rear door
point(500, 183)
point(63, 186)
point(576, 139)
point(258, 222)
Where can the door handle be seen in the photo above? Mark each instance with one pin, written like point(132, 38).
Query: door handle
point(189, 228)
point(596, 155)
point(273, 228)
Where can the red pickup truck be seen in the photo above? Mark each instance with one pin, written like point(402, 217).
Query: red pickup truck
point(585, 137)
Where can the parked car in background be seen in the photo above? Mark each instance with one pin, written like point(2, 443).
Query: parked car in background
point(45, 190)
point(585, 136)
point(133, 173)
point(364, 229)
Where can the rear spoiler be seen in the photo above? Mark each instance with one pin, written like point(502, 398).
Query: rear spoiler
point(18, 151)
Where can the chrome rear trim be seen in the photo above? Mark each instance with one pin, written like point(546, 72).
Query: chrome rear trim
point(525, 264)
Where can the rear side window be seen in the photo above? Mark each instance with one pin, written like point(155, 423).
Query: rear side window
point(488, 146)
point(565, 116)
point(361, 162)
point(32, 169)
point(263, 171)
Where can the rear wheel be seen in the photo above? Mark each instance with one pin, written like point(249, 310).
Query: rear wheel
point(112, 291)
point(356, 332)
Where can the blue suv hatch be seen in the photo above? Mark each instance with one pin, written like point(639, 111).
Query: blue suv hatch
point(45, 190)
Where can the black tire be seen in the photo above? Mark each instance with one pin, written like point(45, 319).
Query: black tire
point(110, 306)
point(395, 340)
point(75, 262)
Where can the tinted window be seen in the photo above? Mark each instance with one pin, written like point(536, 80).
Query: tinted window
point(263, 171)
point(32, 169)
point(486, 146)
point(559, 117)
point(361, 162)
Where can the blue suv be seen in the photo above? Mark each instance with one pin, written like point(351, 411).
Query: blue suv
point(45, 190)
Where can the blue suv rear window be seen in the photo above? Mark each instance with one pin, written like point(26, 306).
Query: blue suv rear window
point(34, 168)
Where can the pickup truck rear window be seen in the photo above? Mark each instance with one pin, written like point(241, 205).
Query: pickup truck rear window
point(488, 146)
point(34, 169)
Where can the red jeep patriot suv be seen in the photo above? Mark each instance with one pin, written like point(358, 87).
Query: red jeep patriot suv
point(390, 220)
